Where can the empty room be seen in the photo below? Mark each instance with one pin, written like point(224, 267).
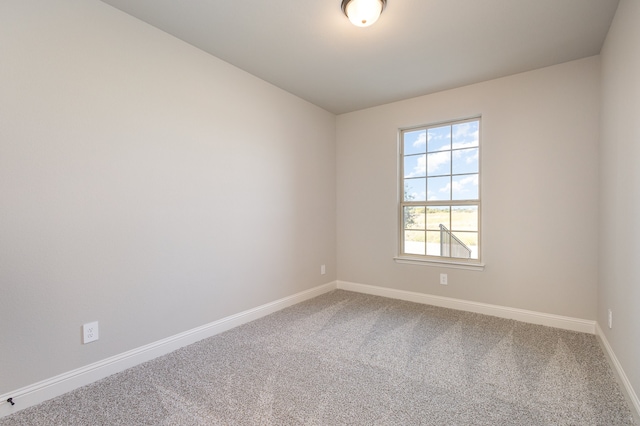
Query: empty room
point(319, 212)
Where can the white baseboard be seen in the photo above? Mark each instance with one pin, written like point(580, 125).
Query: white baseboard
point(627, 388)
point(532, 317)
point(63, 383)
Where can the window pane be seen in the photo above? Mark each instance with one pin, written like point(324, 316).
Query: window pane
point(464, 218)
point(415, 166)
point(465, 187)
point(414, 242)
point(414, 217)
point(439, 138)
point(415, 142)
point(439, 188)
point(439, 163)
point(437, 215)
point(433, 243)
point(465, 245)
point(465, 161)
point(414, 189)
point(466, 134)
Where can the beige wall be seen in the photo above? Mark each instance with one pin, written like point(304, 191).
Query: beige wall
point(146, 185)
point(619, 269)
point(539, 191)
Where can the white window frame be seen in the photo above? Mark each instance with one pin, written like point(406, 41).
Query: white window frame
point(432, 260)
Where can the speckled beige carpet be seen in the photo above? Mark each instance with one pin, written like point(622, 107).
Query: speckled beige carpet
point(348, 358)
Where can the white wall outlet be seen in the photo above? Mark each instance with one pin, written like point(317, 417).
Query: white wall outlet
point(443, 279)
point(323, 270)
point(610, 319)
point(90, 332)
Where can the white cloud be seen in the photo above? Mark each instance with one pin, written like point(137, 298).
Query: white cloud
point(462, 185)
point(464, 182)
point(435, 161)
point(469, 159)
point(421, 141)
point(437, 137)
point(420, 168)
point(466, 187)
point(466, 132)
point(432, 162)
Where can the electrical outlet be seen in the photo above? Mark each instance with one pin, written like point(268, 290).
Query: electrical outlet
point(443, 279)
point(323, 270)
point(90, 332)
point(610, 319)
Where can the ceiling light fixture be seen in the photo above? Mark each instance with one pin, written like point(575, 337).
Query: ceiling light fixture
point(363, 13)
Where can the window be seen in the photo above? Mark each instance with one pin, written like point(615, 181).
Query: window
point(440, 197)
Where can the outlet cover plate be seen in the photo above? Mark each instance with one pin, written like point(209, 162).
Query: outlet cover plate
point(90, 332)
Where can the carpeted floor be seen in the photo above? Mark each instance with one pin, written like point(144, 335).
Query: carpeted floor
point(351, 359)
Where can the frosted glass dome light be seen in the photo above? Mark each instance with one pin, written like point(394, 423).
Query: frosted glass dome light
point(363, 13)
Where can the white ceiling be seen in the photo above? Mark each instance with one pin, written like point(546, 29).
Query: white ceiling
point(309, 48)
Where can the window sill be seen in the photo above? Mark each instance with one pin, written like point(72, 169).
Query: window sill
point(440, 263)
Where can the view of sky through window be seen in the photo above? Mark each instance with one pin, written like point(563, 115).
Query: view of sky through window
point(440, 178)
point(442, 163)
